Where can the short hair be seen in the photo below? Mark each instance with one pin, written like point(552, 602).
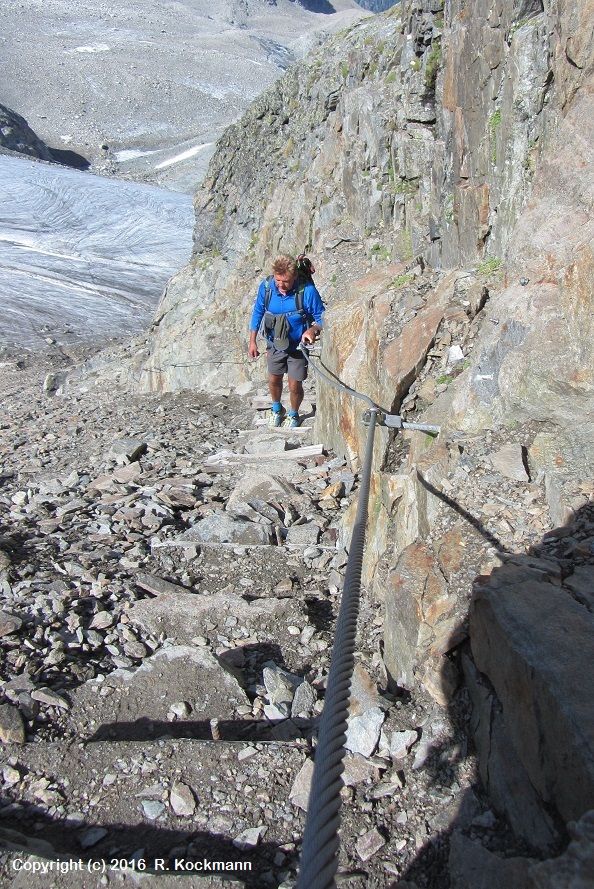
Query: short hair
point(284, 265)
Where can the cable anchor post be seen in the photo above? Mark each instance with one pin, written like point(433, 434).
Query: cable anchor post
point(380, 417)
point(394, 421)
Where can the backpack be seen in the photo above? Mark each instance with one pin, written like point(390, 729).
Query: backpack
point(305, 272)
point(305, 268)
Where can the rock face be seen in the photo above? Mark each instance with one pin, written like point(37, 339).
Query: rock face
point(17, 136)
point(402, 156)
point(358, 148)
point(532, 658)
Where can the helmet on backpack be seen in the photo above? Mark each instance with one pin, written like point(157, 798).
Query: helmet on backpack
point(305, 268)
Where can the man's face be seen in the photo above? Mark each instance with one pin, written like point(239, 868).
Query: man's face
point(284, 281)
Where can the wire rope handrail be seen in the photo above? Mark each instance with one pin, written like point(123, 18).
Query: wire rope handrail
point(319, 853)
point(383, 418)
point(319, 861)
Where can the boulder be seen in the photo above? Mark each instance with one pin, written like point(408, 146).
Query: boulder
point(16, 135)
point(503, 776)
point(420, 614)
point(535, 643)
point(509, 462)
point(12, 726)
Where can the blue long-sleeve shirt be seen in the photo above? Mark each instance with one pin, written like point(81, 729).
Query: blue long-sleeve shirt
point(279, 305)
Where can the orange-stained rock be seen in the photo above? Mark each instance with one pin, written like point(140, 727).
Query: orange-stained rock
point(355, 350)
point(421, 623)
point(451, 551)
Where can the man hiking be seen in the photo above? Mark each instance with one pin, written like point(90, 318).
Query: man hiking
point(291, 310)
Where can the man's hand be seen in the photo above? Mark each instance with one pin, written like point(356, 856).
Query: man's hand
point(310, 335)
point(253, 345)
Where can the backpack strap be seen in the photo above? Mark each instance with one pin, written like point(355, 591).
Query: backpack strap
point(299, 297)
point(268, 292)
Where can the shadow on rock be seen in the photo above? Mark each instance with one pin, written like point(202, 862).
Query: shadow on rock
point(146, 729)
point(464, 513)
point(320, 6)
point(68, 158)
point(141, 848)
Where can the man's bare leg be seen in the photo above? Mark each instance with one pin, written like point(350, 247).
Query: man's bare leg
point(295, 394)
point(275, 385)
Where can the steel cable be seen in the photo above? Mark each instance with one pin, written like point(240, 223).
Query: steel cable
point(336, 383)
point(390, 420)
point(319, 856)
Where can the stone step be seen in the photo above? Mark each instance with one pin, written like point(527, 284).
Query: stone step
point(228, 458)
point(128, 704)
point(162, 806)
point(182, 691)
point(299, 430)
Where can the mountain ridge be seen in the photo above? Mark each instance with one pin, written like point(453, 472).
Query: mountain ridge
point(130, 92)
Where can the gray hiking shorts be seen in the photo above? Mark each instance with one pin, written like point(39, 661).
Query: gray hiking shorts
point(292, 363)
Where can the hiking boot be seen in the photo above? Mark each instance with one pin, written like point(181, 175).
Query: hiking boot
point(275, 418)
point(292, 421)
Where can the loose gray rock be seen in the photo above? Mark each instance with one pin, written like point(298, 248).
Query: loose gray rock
point(127, 450)
point(91, 837)
point(53, 382)
point(250, 838)
point(307, 534)
point(304, 700)
point(280, 685)
point(12, 727)
point(222, 528)
point(49, 697)
point(401, 742)
point(357, 770)
point(300, 790)
point(509, 461)
point(9, 624)
point(182, 800)
point(181, 709)
point(152, 809)
point(369, 844)
point(101, 621)
point(363, 732)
